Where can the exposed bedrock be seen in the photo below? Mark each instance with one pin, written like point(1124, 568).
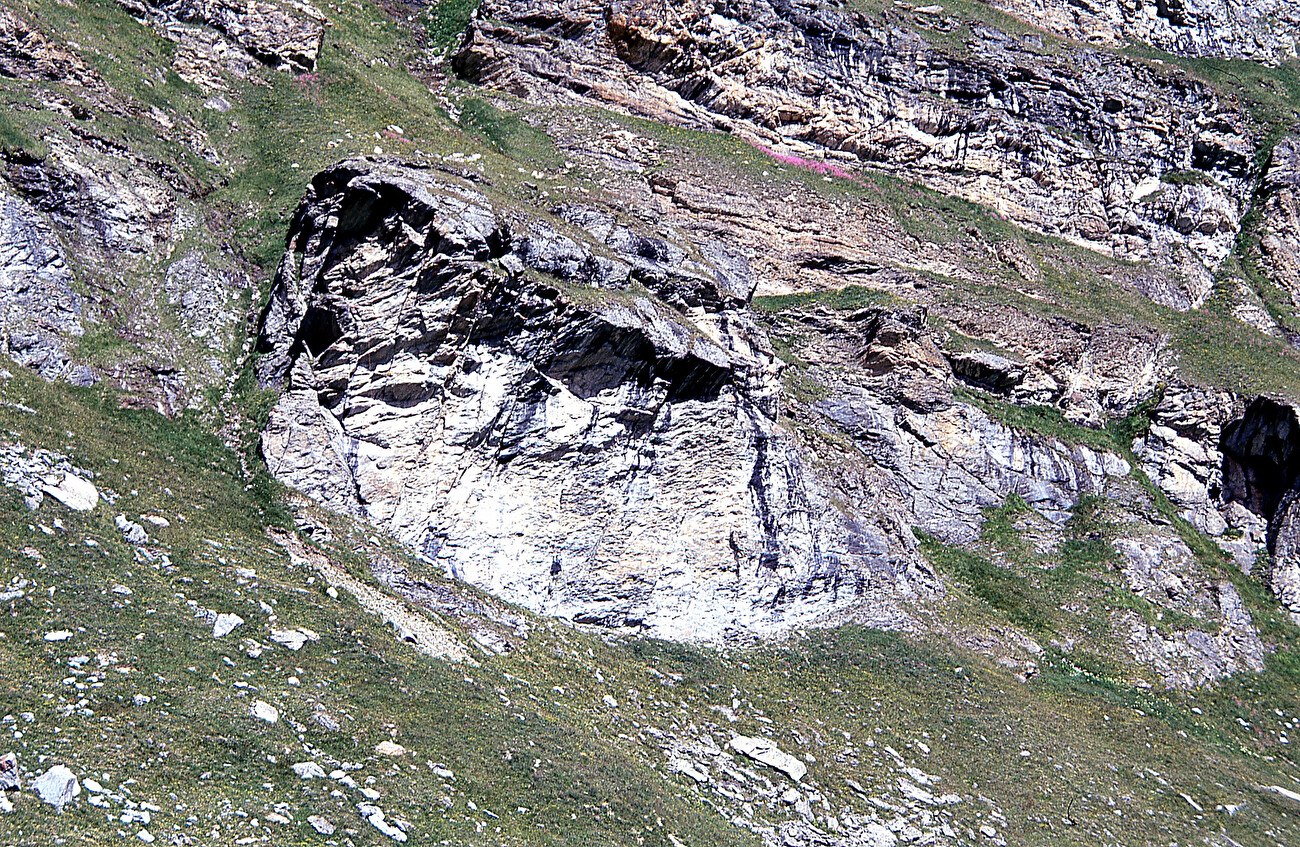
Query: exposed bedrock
point(1279, 242)
point(1113, 153)
point(584, 419)
point(42, 313)
point(1262, 473)
point(285, 34)
point(939, 460)
point(494, 397)
point(1263, 30)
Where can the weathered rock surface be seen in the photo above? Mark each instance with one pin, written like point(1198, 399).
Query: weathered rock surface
point(281, 34)
point(9, 780)
point(765, 751)
point(1180, 452)
point(1161, 570)
point(41, 310)
point(264, 711)
point(1279, 243)
point(492, 394)
point(1261, 472)
point(72, 491)
point(58, 786)
point(108, 207)
point(121, 217)
point(26, 53)
point(1075, 148)
point(206, 299)
point(131, 531)
point(1263, 30)
point(1091, 373)
point(577, 450)
point(939, 461)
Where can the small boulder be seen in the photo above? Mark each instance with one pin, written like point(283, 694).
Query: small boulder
point(763, 750)
point(264, 711)
point(389, 748)
point(989, 371)
point(375, 816)
point(225, 624)
point(325, 721)
point(321, 825)
point(57, 786)
point(689, 768)
point(309, 770)
point(76, 493)
point(294, 639)
point(131, 531)
point(9, 772)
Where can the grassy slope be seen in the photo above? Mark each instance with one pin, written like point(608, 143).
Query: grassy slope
point(1102, 754)
point(196, 741)
point(529, 729)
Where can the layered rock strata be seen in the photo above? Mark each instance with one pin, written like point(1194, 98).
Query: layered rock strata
point(1262, 30)
point(285, 35)
point(1279, 243)
point(1124, 157)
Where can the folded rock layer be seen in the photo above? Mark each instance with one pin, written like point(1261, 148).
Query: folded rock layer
point(506, 402)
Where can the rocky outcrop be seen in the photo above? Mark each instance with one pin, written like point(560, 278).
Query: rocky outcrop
point(26, 53)
point(908, 806)
point(1262, 30)
point(495, 396)
point(1262, 473)
point(1222, 641)
point(939, 461)
point(286, 34)
point(39, 472)
point(1279, 242)
point(121, 217)
point(205, 300)
point(1076, 148)
point(113, 212)
point(1180, 453)
point(1090, 372)
point(40, 311)
point(205, 58)
point(948, 467)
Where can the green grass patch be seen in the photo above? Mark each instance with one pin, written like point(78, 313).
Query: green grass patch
point(507, 134)
point(1000, 587)
point(446, 20)
point(849, 298)
point(1187, 177)
point(1046, 421)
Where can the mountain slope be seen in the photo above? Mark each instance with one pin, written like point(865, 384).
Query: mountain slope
point(925, 377)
